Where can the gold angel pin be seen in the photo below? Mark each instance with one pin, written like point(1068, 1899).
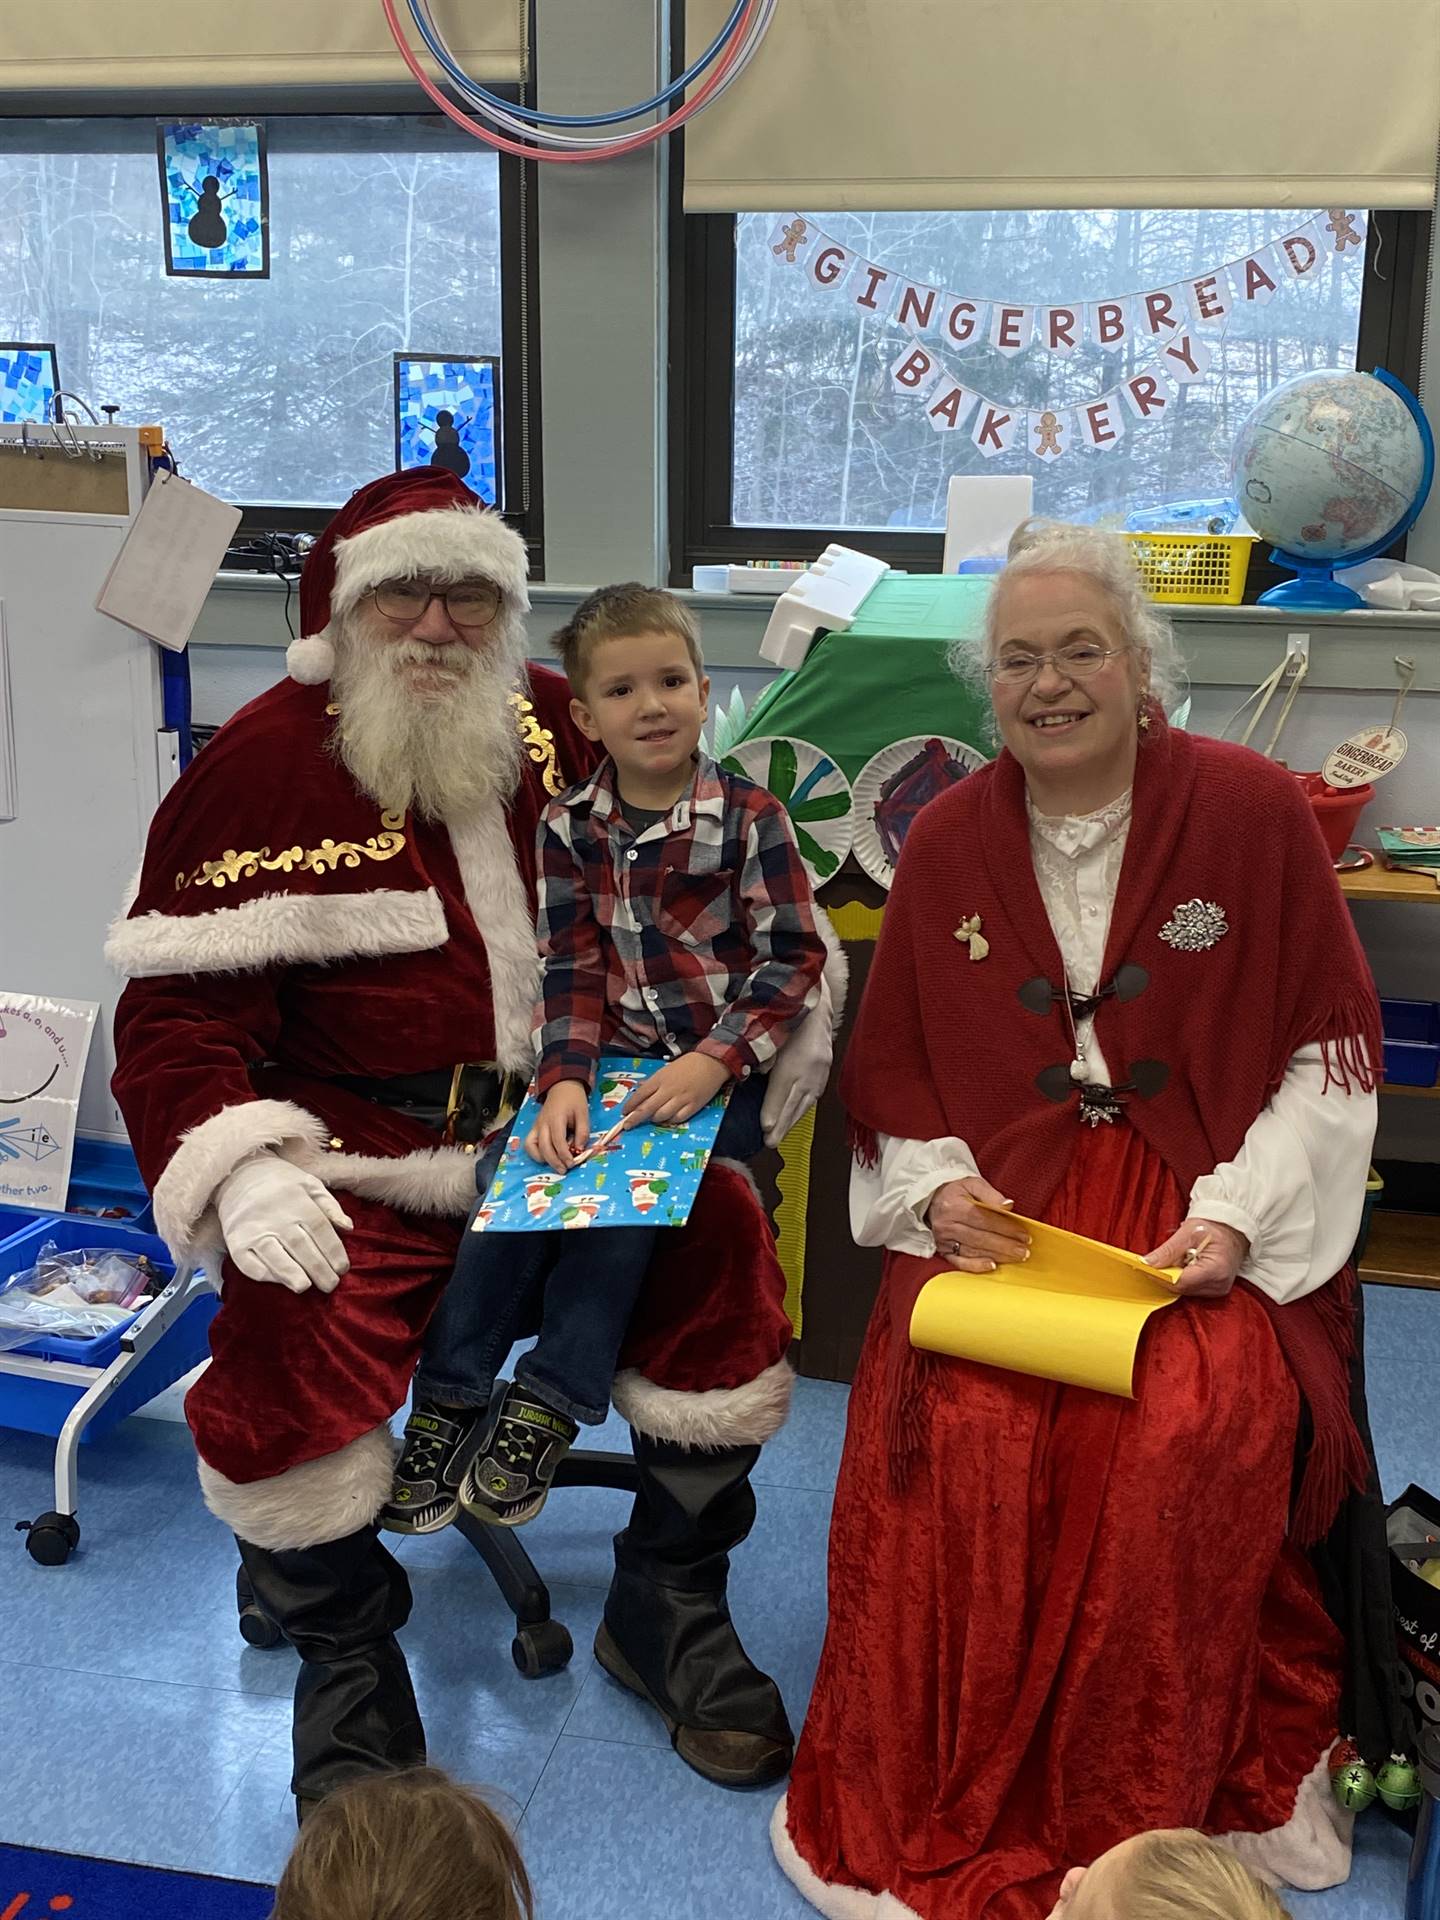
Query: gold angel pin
point(969, 931)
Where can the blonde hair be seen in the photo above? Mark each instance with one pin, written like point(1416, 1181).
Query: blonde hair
point(618, 613)
point(1054, 546)
point(404, 1846)
point(1179, 1874)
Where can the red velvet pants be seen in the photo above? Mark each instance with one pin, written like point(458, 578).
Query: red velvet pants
point(1076, 1617)
point(295, 1377)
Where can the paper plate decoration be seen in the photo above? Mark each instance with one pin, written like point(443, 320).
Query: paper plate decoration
point(813, 791)
point(894, 785)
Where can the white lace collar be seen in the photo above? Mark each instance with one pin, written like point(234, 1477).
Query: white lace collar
point(1075, 833)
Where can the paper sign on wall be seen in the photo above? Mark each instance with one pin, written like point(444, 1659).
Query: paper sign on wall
point(44, 1044)
point(169, 561)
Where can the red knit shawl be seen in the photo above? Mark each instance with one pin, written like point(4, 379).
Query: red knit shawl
point(943, 1045)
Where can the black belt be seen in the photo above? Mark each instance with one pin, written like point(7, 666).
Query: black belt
point(463, 1104)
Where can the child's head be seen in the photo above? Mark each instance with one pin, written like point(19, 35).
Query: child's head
point(404, 1846)
point(1173, 1874)
point(632, 657)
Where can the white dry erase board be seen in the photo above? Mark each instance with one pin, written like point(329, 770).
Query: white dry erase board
point(84, 757)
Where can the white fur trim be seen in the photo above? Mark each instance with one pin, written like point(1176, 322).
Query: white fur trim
point(305, 1506)
point(439, 1180)
point(310, 660)
point(1312, 1849)
point(834, 1901)
point(443, 543)
point(496, 896)
point(745, 1416)
point(184, 1216)
point(1310, 1852)
point(837, 967)
point(279, 929)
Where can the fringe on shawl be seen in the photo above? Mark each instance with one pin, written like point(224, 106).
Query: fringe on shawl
point(1349, 1038)
point(864, 1143)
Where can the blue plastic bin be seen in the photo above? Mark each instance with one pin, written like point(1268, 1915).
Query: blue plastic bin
point(103, 1175)
point(1412, 1042)
point(34, 1404)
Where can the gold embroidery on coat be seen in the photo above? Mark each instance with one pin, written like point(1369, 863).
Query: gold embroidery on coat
point(539, 743)
point(233, 866)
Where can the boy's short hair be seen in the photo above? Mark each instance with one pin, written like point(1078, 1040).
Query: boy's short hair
point(616, 613)
point(414, 1843)
point(1176, 1873)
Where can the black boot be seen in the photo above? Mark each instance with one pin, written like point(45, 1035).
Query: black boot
point(667, 1633)
point(340, 1606)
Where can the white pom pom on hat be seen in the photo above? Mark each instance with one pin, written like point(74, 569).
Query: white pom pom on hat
point(311, 659)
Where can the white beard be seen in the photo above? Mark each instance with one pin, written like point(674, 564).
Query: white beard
point(441, 752)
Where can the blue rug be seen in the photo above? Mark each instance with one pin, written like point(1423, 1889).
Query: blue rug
point(35, 1886)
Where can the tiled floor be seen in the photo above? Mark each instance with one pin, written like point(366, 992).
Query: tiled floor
point(135, 1724)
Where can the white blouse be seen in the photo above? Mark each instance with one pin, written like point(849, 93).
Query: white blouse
point(1296, 1186)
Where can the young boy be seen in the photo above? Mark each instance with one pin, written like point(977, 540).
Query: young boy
point(676, 920)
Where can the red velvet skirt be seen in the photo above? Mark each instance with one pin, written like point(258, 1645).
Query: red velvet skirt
point(1072, 1617)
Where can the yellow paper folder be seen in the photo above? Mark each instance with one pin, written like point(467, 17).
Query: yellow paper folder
point(1074, 1311)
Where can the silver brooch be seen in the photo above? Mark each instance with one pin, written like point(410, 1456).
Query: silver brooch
point(1194, 926)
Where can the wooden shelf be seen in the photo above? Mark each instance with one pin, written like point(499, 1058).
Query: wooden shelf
point(1403, 1250)
point(1380, 883)
point(1413, 1093)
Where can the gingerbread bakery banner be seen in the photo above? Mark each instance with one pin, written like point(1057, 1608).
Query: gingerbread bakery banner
point(1175, 328)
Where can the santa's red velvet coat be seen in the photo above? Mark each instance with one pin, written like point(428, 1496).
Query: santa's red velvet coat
point(285, 931)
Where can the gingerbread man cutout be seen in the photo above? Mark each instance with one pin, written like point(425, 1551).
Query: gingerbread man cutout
point(1342, 225)
point(791, 238)
point(1048, 429)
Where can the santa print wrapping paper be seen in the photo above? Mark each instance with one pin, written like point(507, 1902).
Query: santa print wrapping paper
point(645, 1176)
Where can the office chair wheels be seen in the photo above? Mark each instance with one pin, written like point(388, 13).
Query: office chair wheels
point(257, 1629)
point(543, 1648)
point(51, 1538)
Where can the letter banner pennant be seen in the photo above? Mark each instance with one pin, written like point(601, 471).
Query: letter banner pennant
point(829, 262)
point(966, 322)
point(960, 321)
point(1051, 432)
point(950, 405)
point(996, 429)
point(1179, 327)
point(915, 370)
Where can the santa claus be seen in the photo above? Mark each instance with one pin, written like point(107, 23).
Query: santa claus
point(332, 971)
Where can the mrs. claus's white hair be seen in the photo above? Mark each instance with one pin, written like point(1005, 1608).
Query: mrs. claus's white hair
point(1053, 546)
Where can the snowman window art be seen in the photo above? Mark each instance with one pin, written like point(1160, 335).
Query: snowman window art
point(447, 414)
point(215, 193)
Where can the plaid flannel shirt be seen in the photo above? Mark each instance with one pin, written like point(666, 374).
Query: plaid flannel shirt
point(697, 935)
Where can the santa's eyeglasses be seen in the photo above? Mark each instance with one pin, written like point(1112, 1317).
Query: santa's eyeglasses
point(469, 603)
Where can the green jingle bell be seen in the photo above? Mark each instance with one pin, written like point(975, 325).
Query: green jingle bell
point(1398, 1784)
point(1354, 1786)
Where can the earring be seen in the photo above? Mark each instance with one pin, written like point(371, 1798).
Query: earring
point(1142, 714)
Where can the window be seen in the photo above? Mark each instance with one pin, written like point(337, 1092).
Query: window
point(388, 233)
point(793, 434)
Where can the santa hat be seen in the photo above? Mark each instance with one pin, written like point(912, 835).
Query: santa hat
point(424, 521)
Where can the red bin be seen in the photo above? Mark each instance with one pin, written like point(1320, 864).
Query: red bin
point(1337, 811)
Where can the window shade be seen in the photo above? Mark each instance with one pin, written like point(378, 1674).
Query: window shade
point(134, 47)
point(916, 104)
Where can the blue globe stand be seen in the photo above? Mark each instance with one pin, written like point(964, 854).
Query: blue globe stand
point(1315, 588)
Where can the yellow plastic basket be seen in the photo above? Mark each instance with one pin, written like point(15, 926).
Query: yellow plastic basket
point(1200, 569)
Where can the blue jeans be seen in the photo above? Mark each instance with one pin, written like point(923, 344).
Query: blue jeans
point(588, 1284)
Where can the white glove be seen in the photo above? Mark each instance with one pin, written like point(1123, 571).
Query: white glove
point(279, 1224)
point(800, 1074)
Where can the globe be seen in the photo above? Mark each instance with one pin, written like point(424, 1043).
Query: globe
point(1331, 468)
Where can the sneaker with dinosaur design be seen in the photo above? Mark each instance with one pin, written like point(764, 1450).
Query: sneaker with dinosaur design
point(439, 1444)
point(510, 1475)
